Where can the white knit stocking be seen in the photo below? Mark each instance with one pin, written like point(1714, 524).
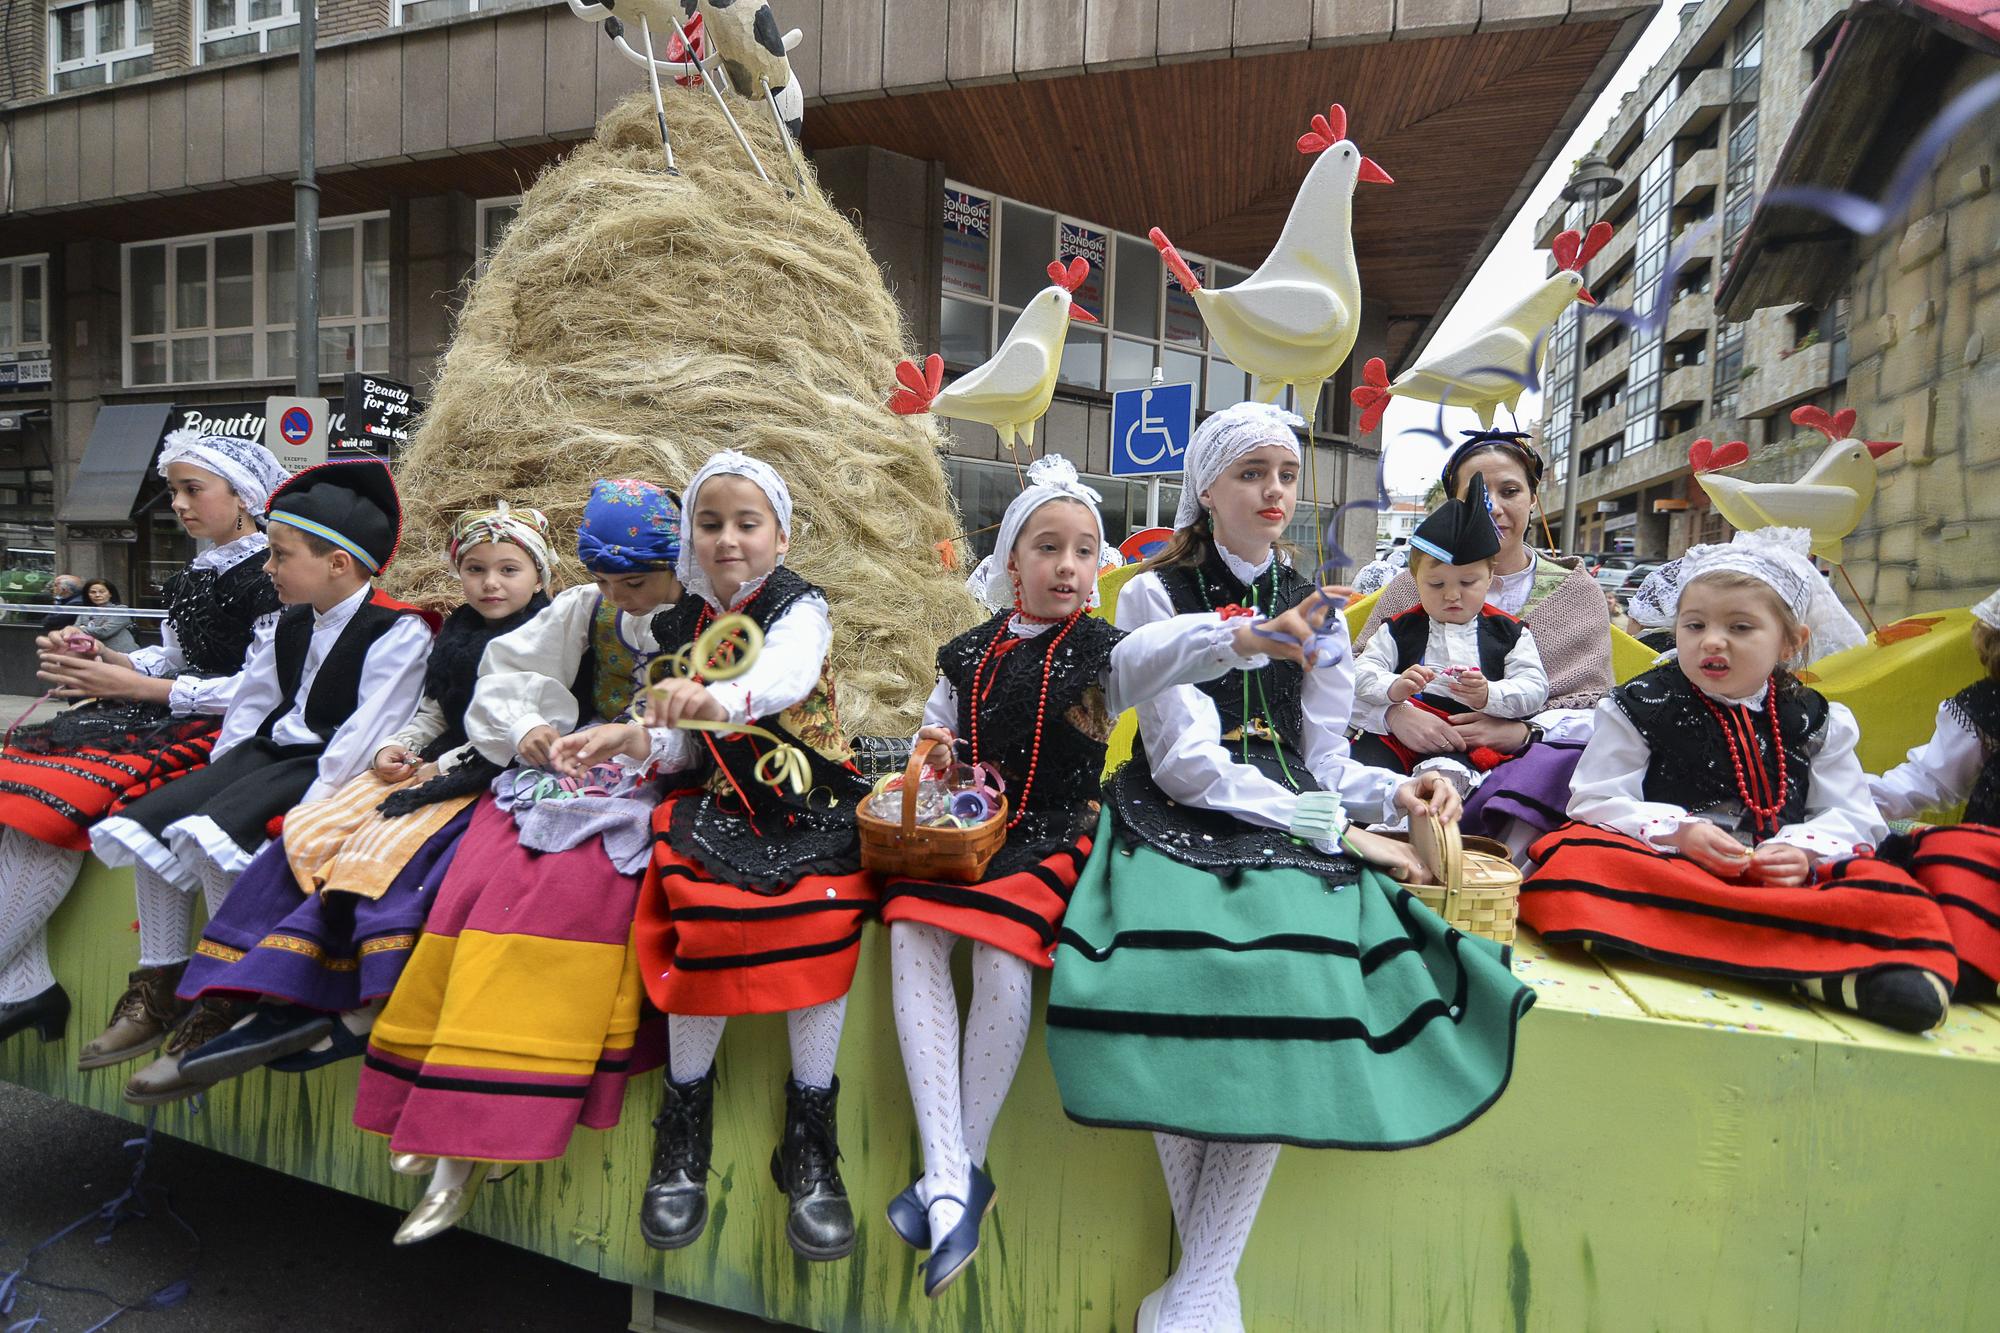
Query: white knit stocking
point(691, 1043)
point(166, 915)
point(927, 1031)
point(996, 1033)
point(34, 879)
point(215, 886)
point(1180, 1163)
point(1201, 1296)
point(815, 1034)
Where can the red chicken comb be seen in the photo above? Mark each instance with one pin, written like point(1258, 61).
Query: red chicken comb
point(1326, 131)
point(1834, 425)
point(1704, 456)
point(1071, 278)
point(1573, 250)
point(918, 389)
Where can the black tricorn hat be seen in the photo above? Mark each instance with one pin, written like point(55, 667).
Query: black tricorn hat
point(1460, 532)
point(351, 504)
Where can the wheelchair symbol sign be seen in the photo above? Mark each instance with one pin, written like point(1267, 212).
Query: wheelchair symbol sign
point(1150, 429)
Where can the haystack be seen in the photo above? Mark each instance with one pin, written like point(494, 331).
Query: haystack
point(632, 323)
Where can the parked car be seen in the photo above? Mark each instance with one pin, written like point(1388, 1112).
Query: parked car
point(1633, 577)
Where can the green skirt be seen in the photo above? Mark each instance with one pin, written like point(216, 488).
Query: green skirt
point(1273, 1007)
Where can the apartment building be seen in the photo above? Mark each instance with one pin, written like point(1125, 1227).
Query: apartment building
point(147, 149)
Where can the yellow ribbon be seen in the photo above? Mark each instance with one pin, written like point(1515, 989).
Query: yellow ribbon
point(724, 651)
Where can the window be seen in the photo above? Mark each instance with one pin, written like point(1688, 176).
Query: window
point(203, 309)
point(495, 216)
point(24, 286)
point(98, 42)
point(423, 11)
point(247, 27)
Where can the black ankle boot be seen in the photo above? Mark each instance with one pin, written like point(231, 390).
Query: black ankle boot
point(806, 1166)
point(675, 1207)
point(46, 1012)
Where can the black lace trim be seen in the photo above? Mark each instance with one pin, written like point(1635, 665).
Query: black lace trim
point(1978, 707)
point(214, 614)
point(1210, 839)
point(470, 778)
point(770, 855)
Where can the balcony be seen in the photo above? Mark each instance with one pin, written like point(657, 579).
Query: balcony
point(1692, 313)
point(1699, 104)
point(1606, 425)
point(1685, 387)
point(1699, 174)
point(1607, 369)
point(1787, 380)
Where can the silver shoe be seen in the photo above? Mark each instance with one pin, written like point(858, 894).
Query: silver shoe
point(412, 1164)
point(441, 1210)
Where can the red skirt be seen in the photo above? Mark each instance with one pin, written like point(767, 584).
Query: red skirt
point(55, 798)
point(1019, 912)
point(1960, 865)
point(707, 946)
point(1595, 886)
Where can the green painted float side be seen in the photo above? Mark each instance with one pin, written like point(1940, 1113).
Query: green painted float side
point(1672, 1154)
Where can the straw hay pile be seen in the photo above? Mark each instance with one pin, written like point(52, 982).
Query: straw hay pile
point(632, 323)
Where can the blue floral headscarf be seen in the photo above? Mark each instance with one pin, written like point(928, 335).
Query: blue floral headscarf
point(629, 527)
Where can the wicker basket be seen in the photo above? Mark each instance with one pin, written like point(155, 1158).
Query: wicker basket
point(1478, 889)
point(912, 850)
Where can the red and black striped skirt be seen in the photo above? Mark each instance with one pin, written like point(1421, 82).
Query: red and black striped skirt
point(1594, 886)
point(1960, 865)
point(707, 946)
point(56, 797)
point(1019, 912)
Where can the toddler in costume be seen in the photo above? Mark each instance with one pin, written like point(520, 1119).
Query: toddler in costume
point(320, 926)
point(1722, 820)
point(1234, 972)
point(517, 1014)
point(152, 716)
point(341, 672)
point(1033, 692)
point(755, 897)
point(1452, 652)
point(1959, 864)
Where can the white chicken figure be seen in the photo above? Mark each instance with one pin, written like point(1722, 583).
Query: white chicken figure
point(1012, 390)
point(1829, 499)
point(1492, 368)
point(1293, 322)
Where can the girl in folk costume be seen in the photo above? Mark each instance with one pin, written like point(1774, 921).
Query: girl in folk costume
point(1959, 864)
point(1722, 820)
point(1452, 652)
point(755, 897)
point(154, 713)
point(1562, 605)
point(320, 926)
point(1033, 692)
point(343, 667)
point(1235, 969)
point(517, 1013)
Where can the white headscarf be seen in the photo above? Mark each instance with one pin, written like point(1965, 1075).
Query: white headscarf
point(1050, 477)
point(1987, 612)
point(980, 583)
point(730, 463)
point(247, 466)
point(1225, 437)
point(1781, 559)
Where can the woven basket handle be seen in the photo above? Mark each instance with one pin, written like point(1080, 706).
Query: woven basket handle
point(919, 752)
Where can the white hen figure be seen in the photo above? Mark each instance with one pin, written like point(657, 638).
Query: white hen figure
point(1829, 499)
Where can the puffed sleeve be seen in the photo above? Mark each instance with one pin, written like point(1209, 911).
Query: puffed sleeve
point(1182, 650)
point(1936, 775)
point(1609, 786)
point(785, 673)
point(526, 675)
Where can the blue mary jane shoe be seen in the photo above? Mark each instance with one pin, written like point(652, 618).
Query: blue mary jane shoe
point(909, 1219)
point(955, 1251)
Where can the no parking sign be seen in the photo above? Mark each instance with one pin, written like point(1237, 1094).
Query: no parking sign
point(295, 431)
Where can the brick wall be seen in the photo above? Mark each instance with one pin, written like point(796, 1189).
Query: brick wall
point(173, 34)
point(339, 18)
point(27, 49)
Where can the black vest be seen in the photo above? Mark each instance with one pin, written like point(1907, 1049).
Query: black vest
point(1978, 707)
point(1274, 691)
point(1689, 765)
point(214, 613)
point(1498, 633)
point(336, 687)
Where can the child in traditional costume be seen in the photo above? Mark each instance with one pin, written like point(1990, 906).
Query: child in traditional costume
point(153, 716)
point(1959, 863)
point(1233, 971)
point(341, 671)
point(1450, 653)
point(1033, 692)
point(516, 1017)
point(755, 897)
point(1722, 820)
point(320, 926)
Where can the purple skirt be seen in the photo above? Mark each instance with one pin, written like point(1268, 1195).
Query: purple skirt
point(1532, 787)
point(332, 952)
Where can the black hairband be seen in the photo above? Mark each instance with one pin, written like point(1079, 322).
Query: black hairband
point(1513, 441)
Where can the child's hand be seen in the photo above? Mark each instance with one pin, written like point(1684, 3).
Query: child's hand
point(534, 747)
point(1411, 682)
point(1780, 863)
point(683, 700)
point(1399, 859)
point(1288, 636)
point(67, 642)
point(1430, 791)
point(1712, 849)
point(580, 751)
point(938, 736)
point(73, 677)
point(393, 763)
point(1469, 687)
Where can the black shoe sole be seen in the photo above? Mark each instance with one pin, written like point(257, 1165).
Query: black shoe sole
point(659, 1242)
point(819, 1256)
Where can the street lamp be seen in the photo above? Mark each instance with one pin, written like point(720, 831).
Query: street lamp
point(1590, 184)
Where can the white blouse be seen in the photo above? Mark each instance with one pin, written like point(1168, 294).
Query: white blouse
point(785, 674)
point(1937, 774)
point(198, 694)
point(1183, 732)
point(1520, 695)
point(1609, 788)
point(526, 675)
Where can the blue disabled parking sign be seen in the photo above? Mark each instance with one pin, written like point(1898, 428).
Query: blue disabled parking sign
point(1150, 429)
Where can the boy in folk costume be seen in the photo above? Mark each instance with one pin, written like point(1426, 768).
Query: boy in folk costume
point(1452, 652)
point(341, 672)
point(1722, 820)
point(320, 926)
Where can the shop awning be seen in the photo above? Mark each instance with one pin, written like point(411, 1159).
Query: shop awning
point(115, 460)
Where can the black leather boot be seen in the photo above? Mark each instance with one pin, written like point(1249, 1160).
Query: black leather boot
point(47, 1012)
point(806, 1166)
point(675, 1207)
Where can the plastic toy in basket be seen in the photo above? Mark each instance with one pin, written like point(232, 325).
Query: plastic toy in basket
point(934, 823)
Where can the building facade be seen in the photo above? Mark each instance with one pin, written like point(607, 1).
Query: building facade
point(147, 253)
